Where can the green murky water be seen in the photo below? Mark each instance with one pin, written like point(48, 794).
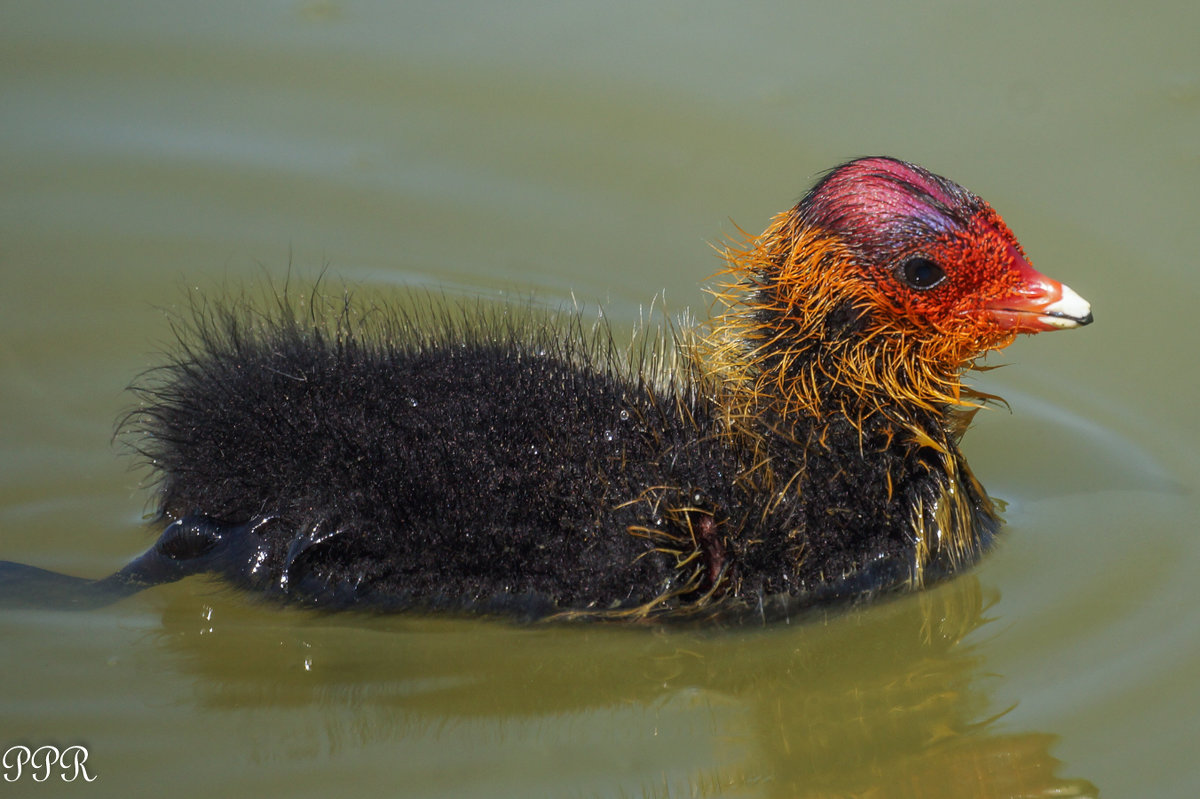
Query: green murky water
point(591, 153)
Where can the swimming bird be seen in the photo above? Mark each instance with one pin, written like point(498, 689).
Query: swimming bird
point(800, 447)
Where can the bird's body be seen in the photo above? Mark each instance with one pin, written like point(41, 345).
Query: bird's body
point(517, 468)
point(803, 446)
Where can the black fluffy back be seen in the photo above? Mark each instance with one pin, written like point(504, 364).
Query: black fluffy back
point(431, 458)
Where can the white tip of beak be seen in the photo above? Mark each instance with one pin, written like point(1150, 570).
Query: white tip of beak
point(1069, 311)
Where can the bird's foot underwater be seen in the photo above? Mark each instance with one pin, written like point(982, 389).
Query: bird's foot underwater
point(191, 545)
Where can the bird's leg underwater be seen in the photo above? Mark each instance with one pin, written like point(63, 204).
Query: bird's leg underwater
point(191, 545)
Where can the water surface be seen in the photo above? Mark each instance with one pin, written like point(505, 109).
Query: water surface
point(590, 155)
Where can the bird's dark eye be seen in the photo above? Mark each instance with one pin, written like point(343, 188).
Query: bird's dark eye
point(920, 273)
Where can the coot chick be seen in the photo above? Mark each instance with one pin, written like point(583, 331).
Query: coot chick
point(801, 447)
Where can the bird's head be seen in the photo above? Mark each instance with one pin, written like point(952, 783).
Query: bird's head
point(875, 292)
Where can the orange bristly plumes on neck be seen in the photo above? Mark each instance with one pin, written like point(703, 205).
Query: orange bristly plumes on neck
point(801, 333)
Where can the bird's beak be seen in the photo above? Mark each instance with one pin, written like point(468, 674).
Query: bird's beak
point(1039, 303)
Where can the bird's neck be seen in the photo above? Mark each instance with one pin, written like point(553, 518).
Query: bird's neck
point(800, 360)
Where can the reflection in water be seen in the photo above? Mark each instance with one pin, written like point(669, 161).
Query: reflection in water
point(888, 701)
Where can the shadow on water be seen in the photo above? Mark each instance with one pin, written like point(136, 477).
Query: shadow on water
point(889, 701)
